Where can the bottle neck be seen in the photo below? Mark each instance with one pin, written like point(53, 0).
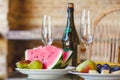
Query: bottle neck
point(70, 18)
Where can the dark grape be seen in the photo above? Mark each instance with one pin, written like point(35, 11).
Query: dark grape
point(115, 68)
point(112, 69)
point(106, 68)
point(106, 65)
point(99, 66)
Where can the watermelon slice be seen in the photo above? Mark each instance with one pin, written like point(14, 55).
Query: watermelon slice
point(66, 58)
point(50, 56)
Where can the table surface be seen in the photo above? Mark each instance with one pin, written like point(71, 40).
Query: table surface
point(18, 76)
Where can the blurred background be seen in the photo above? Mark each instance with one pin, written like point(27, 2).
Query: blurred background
point(21, 20)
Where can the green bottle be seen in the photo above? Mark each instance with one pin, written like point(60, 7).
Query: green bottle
point(70, 39)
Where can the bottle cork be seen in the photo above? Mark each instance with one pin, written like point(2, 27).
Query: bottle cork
point(70, 5)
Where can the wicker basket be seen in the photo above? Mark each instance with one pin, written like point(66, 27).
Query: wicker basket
point(108, 42)
point(104, 13)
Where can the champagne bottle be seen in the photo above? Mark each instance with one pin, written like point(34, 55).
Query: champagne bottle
point(70, 39)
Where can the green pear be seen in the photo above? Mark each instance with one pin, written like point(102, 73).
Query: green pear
point(23, 64)
point(85, 66)
point(35, 64)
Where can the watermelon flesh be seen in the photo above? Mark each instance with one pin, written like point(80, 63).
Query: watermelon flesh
point(50, 56)
point(66, 58)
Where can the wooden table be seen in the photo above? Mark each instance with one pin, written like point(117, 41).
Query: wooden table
point(18, 76)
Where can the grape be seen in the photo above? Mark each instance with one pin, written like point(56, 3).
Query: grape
point(106, 65)
point(105, 68)
point(99, 66)
point(115, 68)
point(112, 69)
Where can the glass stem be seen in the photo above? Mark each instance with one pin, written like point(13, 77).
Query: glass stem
point(87, 54)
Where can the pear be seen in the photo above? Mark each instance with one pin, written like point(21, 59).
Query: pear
point(23, 64)
point(35, 64)
point(85, 66)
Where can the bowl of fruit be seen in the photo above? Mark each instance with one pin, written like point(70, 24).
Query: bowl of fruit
point(91, 70)
point(45, 62)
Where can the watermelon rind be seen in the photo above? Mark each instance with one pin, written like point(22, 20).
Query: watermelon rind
point(26, 56)
point(69, 56)
point(57, 62)
point(67, 60)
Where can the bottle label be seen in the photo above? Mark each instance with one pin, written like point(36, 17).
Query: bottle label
point(68, 30)
point(66, 46)
point(66, 49)
point(67, 43)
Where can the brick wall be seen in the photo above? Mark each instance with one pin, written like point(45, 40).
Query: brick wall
point(3, 16)
point(3, 42)
point(57, 9)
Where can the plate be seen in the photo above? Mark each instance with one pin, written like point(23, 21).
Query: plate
point(87, 76)
point(45, 73)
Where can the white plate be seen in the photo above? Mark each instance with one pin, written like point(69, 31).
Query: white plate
point(44, 73)
point(87, 76)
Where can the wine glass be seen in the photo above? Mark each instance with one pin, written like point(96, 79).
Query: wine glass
point(86, 31)
point(46, 31)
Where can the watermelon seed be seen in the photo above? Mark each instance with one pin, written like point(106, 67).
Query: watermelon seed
point(31, 52)
point(35, 56)
point(42, 59)
point(48, 56)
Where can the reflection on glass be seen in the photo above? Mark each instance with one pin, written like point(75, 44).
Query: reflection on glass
point(46, 31)
point(86, 33)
